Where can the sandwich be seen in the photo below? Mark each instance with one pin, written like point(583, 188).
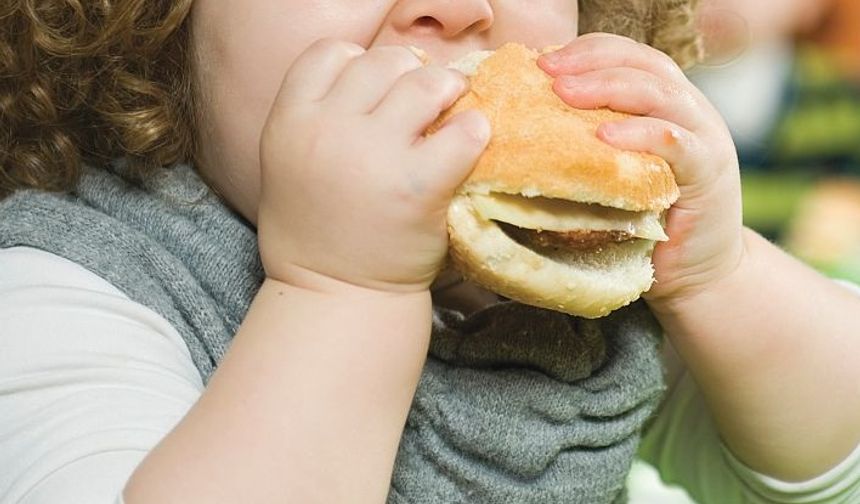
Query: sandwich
point(552, 216)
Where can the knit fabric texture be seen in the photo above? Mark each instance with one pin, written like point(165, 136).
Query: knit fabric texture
point(515, 405)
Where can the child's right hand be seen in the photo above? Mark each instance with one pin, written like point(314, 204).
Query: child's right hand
point(352, 191)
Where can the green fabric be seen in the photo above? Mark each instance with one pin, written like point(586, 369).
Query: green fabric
point(515, 404)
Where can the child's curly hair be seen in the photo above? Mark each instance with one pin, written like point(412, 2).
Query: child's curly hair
point(84, 81)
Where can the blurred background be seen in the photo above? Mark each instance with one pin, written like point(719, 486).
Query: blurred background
point(785, 74)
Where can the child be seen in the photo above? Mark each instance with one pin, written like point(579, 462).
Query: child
point(308, 122)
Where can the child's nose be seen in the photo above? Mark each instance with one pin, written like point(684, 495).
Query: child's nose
point(445, 18)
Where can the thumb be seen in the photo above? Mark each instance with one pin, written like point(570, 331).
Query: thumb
point(455, 148)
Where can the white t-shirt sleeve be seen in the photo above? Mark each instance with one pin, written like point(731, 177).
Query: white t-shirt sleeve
point(685, 447)
point(89, 382)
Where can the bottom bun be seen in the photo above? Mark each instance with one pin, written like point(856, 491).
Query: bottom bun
point(588, 284)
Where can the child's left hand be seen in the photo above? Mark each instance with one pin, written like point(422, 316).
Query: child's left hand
point(678, 124)
point(743, 315)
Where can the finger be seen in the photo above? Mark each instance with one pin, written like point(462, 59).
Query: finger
point(315, 70)
point(418, 97)
point(455, 147)
point(678, 146)
point(636, 92)
point(601, 50)
point(366, 80)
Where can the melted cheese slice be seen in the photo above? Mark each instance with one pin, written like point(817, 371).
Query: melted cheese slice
point(548, 214)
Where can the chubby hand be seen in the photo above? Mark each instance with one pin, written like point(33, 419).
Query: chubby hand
point(677, 123)
point(353, 193)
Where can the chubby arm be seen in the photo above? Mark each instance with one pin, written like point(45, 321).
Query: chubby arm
point(774, 347)
point(772, 344)
point(307, 406)
point(310, 401)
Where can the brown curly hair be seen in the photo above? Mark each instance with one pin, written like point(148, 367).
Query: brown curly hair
point(87, 82)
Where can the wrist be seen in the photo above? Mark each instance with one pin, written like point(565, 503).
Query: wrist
point(756, 342)
point(302, 280)
point(688, 303)
point(341, 299)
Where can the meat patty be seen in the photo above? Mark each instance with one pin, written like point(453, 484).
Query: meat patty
point(565, 240)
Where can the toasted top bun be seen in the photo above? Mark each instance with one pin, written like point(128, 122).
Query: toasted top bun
point(540, 146)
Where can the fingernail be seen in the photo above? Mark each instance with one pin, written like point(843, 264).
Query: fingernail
point(550, 61)
point(482, 130)
point(477, 126)
point(671, 136)
point(464, 81)
point(607, 131)
point(569, 81)
point(551, 57)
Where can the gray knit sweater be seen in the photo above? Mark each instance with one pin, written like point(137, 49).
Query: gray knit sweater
point(515, 404)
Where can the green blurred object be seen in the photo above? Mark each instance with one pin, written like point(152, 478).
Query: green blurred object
point(826, 129)
point(849, 270)
point(771, 199)
point(820, 121)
